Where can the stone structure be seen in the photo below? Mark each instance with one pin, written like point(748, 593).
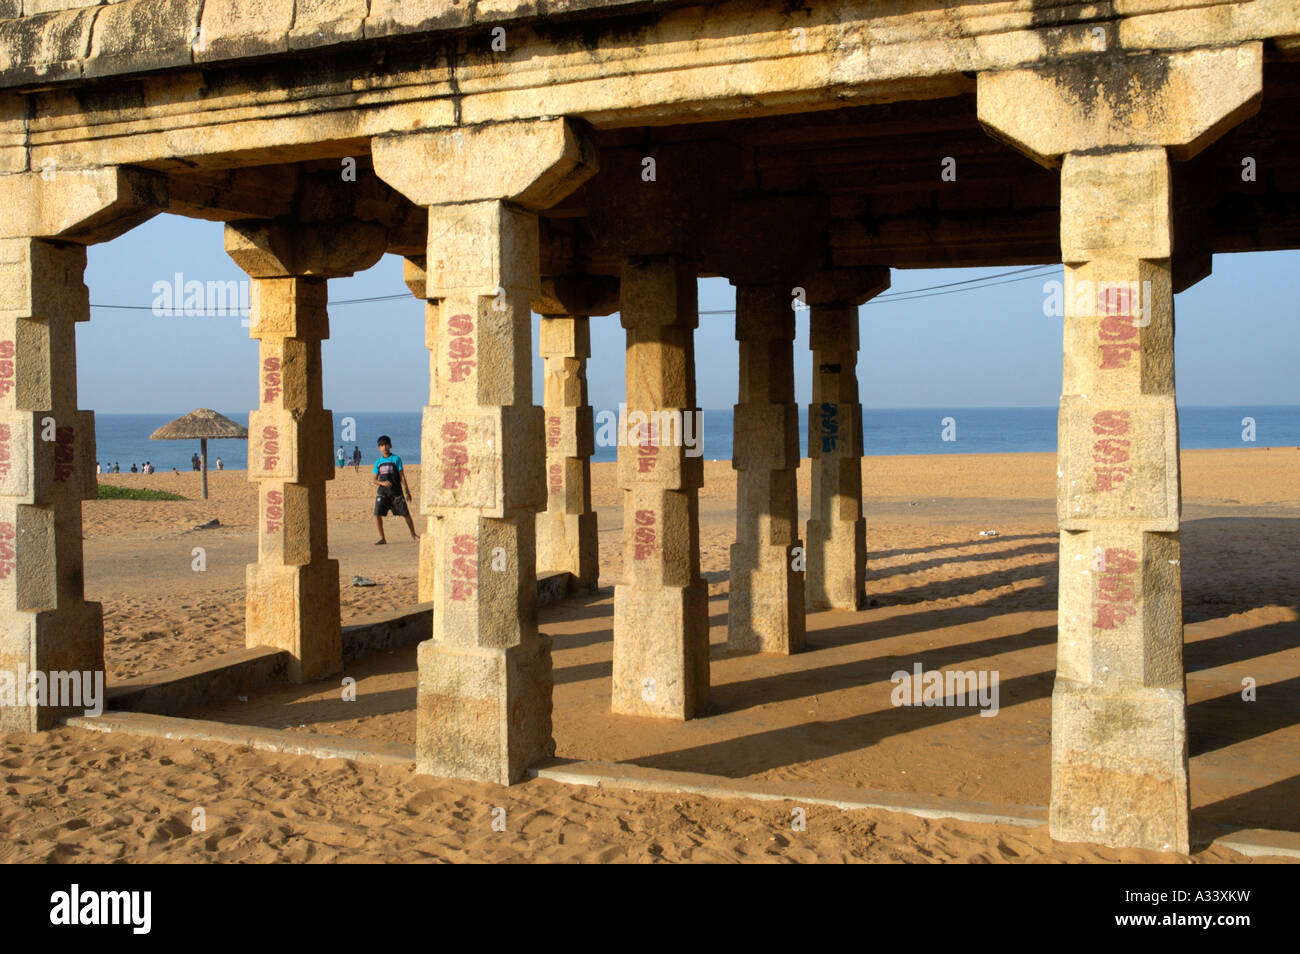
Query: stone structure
point(1119, 747)
point(837, 531)
point(484, 698)
point(1114, 138)
point(566, 530)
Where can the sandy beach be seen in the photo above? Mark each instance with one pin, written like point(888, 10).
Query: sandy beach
point(940, 594)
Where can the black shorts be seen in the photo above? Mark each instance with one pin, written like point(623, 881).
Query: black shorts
point(390, 503)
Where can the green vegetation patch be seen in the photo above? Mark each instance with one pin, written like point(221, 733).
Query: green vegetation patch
point(114, 492)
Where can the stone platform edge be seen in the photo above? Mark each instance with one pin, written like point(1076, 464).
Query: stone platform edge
point(1258, 843)
point(222, 678)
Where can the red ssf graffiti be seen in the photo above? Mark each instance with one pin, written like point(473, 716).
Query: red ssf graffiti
point(1116, 588)
point(1111, 451)
point(464, 568)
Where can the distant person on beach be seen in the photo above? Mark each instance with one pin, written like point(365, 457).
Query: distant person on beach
point(134, 469)
point(356, 458)
point(338, 457)
point(148, 467)
point(98, 468)
point(195, 463)
point(117, 468)
point(221, 464)
point(392, 490)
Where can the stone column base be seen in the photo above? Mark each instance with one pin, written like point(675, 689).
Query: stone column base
point(69, 639)
point(837, 565)
point(765, 610)
point(567, 541)
point(483, 713)
point(295, 608)
point(1119, 767)
point(663, 670)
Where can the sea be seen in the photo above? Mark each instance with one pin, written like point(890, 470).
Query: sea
point(124, 438)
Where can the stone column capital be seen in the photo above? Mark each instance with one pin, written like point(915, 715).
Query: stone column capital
point(584, 295)
point(280, 248)
point(771, 239)
point(661, 198)
point(844, 286)
point(84, 206)
point(531, 164)
point(1120, 99)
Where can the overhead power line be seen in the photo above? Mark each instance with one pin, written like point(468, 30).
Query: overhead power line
point(929, 291)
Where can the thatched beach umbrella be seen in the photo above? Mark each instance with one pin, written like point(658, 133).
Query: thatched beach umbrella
point(204, 424)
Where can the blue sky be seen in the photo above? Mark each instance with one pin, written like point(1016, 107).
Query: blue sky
point(1238, 338)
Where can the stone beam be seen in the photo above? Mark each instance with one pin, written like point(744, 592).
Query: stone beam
point(484, 697)
point(1119, 736)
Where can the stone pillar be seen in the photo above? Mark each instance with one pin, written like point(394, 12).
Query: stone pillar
point(1119, 738)
point(47, 445)
point(47, 467)
point(292, 591)
point(766, 609)
point(415, 274)
point(837, 530)
point(655, 227)
point(566, 529)
point(661, 619)
point(484, 697)
point(292, 600)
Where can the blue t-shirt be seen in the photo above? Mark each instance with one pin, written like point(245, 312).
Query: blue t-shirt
point(389, 468)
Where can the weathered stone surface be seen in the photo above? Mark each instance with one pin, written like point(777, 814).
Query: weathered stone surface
point(530, 164)
point(294, 607)
point(137, 35)
point(587, 295)
point(78, 205)
point(237, 28)
point(485, 678)
point(1119, 766)
point(483, 459)
point(1119, 747)
point(46, 625)
point(766, 607)
point(293, 589)
point(661, 628)
point(279, 249)
point(1118, 463)
point(665, 673)
point(1183, 101)
point(483, 713)
point(659, 201)
point(837, 532)
point(567, 528)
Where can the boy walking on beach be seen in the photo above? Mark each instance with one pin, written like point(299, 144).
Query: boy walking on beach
point(393, 491)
